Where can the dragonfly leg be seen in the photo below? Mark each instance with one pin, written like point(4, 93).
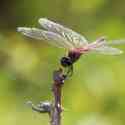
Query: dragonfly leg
point(69, 72)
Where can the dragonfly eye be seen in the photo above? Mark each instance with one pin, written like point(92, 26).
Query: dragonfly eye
point(66, 61)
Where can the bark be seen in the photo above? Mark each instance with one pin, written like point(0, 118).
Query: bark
point(58, 78)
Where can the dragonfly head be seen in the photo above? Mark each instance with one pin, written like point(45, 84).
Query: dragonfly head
point(66, 61)
point(70, 59)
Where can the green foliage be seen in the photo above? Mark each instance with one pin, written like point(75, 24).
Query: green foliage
point(94, 95)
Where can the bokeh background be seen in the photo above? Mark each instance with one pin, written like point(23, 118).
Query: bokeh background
point(95, 95)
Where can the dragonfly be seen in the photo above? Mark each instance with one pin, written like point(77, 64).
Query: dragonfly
point(76, 44)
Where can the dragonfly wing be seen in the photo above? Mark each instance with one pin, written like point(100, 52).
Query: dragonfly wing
point(116, 42)
point(40, 34)
point(74, 38)
point(106, 50)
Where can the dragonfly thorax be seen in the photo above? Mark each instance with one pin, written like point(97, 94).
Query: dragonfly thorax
point(74, 56)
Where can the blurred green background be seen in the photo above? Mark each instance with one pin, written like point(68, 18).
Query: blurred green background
point(95, 95)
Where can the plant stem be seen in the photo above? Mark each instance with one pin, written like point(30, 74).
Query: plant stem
point(58, 78)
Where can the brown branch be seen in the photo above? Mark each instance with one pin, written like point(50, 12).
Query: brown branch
point(58, 78)
point(53, 109)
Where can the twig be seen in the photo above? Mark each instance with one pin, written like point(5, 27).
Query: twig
point(53, 109)
point(58, 78)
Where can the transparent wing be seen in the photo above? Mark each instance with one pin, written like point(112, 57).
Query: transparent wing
point(101, 46)
point(108, 50)
point(116, 42)
point(52, 38)
point(74, 38)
